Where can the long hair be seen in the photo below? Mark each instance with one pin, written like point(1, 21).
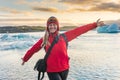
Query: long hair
point(45, 39)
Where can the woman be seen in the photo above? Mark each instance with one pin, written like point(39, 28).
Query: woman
point(58, 60)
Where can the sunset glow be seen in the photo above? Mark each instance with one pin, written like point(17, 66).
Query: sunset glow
point(69, 12)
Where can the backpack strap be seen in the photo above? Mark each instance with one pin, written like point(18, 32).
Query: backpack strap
point(39, 77)
point(55, 40)
point(39, 73)
point(65, 38)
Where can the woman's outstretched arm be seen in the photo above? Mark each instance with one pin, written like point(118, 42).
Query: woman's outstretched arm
point(35, 48)
point(72, 34)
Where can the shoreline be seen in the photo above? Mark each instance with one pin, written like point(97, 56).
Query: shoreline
point(24, 29)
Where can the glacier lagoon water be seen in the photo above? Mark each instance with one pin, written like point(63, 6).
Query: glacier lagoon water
point(93, 56)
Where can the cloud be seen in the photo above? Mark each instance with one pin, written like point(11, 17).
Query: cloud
point(6, 15)
point(25, 19)
point(45, 9)
point(80, 2)
point(43, 5)
point(27, 3)
point(14, 11)
point(9, 10)
point(106, 7)
point(93, 5)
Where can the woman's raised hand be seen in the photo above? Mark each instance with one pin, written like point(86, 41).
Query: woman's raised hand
point(100, 23)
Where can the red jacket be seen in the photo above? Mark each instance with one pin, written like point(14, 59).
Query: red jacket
point(58, 59)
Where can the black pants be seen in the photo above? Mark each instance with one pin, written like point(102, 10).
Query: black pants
point(58, 75)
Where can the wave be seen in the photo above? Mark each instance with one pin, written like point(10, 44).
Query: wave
point(23, 41)
point(17, 41)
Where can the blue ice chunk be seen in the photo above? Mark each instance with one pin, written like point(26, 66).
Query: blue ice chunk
point(113, 28)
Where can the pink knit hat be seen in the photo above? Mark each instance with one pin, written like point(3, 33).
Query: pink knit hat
point(54, 20)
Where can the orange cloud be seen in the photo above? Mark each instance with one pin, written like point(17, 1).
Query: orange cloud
point(45, 9)
point(14, 11)
point(27, 19)
point(106, 7)
point(9, 10)
point(80, 2)
point(93, 5)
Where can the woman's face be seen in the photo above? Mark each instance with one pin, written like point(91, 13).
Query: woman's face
point(52, 27)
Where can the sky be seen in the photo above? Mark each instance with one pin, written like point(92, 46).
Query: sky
point(68, 12)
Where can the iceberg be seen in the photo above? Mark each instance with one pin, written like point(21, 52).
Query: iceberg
point(17, 41)
point(113, 28)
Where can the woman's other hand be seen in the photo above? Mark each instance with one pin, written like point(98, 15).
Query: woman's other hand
point(23, 62)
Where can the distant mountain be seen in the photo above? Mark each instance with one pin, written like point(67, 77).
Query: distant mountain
point(22, 29)
point(17, 29)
